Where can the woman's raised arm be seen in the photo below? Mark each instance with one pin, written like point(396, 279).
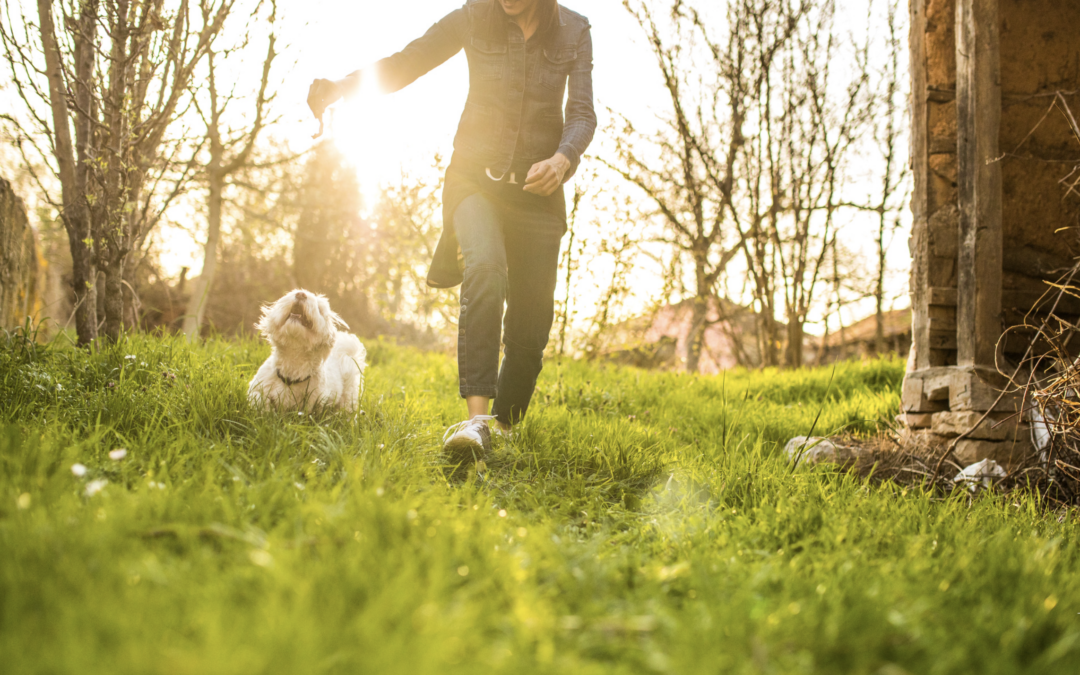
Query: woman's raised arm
point(433, 48)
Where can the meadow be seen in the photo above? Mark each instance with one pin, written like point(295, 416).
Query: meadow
point(639, 522)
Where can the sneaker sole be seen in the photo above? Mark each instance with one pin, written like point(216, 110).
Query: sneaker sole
point(464, 449)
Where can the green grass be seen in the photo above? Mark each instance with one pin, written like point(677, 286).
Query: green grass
point(643, 522)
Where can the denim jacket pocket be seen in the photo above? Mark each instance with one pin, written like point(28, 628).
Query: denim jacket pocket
point(555, 66)
point(544, 134)
point(488, 59)
point(479, 128)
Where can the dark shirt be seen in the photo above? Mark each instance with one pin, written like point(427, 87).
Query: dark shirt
point(514, 113)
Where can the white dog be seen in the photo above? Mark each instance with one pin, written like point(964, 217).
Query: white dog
point(313, 365)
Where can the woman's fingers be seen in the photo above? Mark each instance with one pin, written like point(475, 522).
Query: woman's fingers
point(543, 188)
point(537, 173)
point(543, 179)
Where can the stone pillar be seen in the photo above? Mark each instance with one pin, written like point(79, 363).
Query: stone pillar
point(988, 206)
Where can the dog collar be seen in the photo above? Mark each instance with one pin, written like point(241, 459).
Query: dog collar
point(290, 382)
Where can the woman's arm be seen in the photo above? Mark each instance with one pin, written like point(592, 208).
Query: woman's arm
point(545, 177)
point(580, 115)
point(438, 44)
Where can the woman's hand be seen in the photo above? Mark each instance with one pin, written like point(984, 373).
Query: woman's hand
point(321, 95)
point(545, 177)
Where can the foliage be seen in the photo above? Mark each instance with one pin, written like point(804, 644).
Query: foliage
point(639, 522)
point(100, 86)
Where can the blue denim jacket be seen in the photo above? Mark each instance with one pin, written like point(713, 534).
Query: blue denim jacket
point(514, 111)
point(514, 115)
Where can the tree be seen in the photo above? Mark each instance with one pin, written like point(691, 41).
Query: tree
point(687, 169)
point(889, 130)
point(807, 128)
point(229, 152)
point(113, 77)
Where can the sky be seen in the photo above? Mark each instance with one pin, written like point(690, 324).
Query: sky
point(385, 135)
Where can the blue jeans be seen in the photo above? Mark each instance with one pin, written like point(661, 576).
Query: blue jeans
point(511, 257)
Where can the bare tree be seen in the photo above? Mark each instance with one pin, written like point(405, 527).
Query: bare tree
point(687, 169)
point(230, 149)
point(112, 77)
point(889, 131)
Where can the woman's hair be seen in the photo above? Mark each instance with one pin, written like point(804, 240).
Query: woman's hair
point(547, 11)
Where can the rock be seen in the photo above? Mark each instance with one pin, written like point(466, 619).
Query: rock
point(815, 450)
point(982, 473)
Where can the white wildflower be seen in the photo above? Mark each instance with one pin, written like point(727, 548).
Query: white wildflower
point(118, 454)
point(78, 469)
point(95, 486)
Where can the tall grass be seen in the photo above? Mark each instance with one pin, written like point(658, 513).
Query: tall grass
point(640, 522)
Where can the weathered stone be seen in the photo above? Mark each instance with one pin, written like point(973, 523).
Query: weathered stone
point(915, 420)
point(1008, 453)
point(921, 441)
point(968, 392)
point(817, 450)
point(21, 266)
point(912, 399)
point(994, 427)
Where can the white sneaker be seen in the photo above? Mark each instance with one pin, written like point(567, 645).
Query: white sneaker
point(470, 439)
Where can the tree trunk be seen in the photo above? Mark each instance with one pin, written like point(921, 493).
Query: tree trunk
point(695, 338)
point(879, 286)
point(793, 354)
point(770, 338)
point(114, 297)
point(196, 307)
point(84, 284)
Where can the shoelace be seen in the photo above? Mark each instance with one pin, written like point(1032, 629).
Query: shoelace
point(461, 425)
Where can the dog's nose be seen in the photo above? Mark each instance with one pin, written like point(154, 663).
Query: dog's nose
point(300, 295)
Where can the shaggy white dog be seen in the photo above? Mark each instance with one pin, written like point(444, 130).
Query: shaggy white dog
point(313, 365)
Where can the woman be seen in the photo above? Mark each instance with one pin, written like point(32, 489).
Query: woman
point(504, 212)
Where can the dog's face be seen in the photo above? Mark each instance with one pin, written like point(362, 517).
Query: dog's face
point(300, 320)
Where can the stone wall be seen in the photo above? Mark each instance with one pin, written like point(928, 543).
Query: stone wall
point(1040, 56)
point(1023, 56)
point(22, 269)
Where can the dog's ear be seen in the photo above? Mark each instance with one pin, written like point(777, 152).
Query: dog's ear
point(263, 324)
point(330, 315)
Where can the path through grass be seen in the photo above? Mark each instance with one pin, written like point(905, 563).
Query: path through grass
point(643, 522)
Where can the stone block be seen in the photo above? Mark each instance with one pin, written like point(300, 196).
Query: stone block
point(912, 399)
point(995, 427)
point(1008, 453)
point(915, 420)
point(969, 391)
